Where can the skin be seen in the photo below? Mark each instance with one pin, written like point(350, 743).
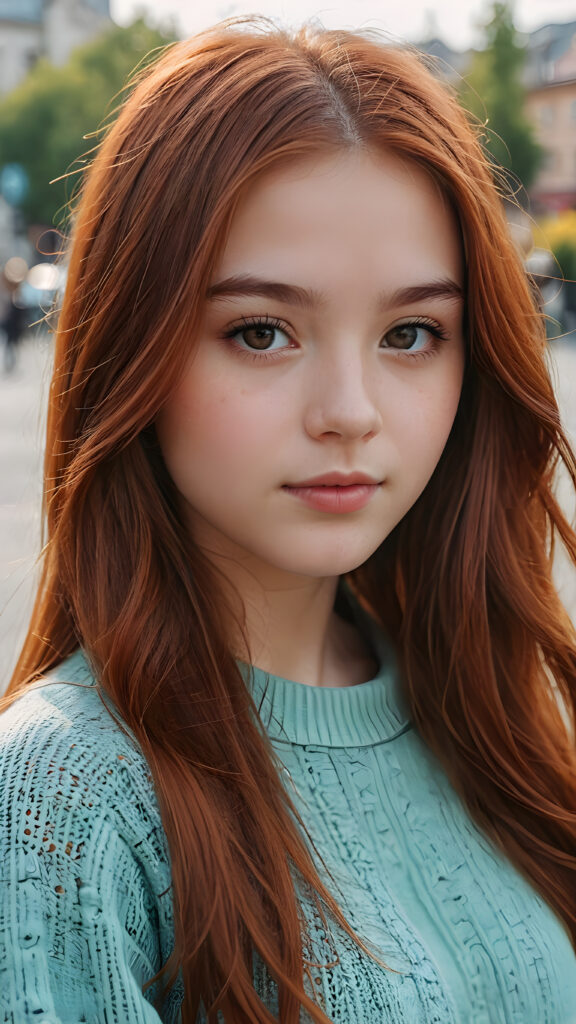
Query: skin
point(339, 391)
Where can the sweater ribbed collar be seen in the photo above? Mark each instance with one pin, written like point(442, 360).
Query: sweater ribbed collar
point(358, 715)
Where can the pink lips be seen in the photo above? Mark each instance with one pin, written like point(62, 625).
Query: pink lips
point(335, 492)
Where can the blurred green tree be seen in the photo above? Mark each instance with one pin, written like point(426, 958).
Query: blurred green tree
point(493, 92)
point(47, 121)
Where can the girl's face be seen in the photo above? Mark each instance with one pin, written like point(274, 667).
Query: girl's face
point(331, 344)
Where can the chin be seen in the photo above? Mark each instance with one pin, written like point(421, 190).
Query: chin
point(322, 564)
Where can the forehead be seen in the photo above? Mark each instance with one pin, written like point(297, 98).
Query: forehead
point(354, 212)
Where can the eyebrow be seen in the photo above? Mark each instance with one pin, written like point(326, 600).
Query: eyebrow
point(310, 298)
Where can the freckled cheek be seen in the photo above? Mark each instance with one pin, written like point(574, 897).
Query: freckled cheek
point(422, 420)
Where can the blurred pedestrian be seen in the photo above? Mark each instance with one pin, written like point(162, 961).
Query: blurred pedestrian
point(13, 314)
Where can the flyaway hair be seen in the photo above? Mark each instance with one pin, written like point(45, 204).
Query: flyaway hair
point(462, 586)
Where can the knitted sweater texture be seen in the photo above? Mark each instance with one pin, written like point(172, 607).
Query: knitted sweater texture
point(86, 914)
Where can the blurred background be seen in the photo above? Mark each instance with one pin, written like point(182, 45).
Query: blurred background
point(63, 69)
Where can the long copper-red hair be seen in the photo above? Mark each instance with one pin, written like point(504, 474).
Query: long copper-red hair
point(463, 585)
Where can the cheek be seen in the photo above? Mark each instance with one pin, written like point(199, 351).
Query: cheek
point(209, 430)
point(424, 418)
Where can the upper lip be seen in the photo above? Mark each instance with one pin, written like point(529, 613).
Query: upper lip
point(337, 480)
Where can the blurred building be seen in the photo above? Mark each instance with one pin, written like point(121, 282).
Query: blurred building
point(551, 104)
point(450, 64)
point(550, 79)
point(30, 29)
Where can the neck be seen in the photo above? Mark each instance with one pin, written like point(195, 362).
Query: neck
point(291, 629)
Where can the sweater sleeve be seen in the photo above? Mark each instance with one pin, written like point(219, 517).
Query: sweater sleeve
point(80, 913)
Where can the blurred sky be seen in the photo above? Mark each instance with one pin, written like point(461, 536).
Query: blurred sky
point(456, 21)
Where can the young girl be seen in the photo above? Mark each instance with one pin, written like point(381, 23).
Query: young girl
point(291, 734)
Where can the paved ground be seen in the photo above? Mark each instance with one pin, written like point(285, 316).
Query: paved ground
point(22, 398)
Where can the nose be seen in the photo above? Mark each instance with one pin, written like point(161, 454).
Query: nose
point(342, 400)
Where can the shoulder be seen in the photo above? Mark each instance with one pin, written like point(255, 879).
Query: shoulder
point(63, 741)
point(83, 851)
point(64, 701)
point(65, 710)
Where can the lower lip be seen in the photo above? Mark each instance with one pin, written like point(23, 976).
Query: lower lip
point(335, 499)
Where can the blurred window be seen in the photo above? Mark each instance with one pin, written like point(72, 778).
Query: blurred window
point(573, 110)
point(549, 71)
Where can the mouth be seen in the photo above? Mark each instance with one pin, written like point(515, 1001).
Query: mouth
point(337, 480)
point(323, 495)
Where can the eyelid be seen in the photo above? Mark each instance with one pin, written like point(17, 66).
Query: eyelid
point(418, 321)
point(265, 320)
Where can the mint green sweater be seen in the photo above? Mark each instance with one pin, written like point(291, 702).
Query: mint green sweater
point(86, 914)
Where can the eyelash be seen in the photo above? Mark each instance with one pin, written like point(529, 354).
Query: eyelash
point(262, 355)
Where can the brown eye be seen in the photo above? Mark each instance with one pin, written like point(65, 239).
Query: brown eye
point(405, 336)
point(413, 337)
point(258, 337)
